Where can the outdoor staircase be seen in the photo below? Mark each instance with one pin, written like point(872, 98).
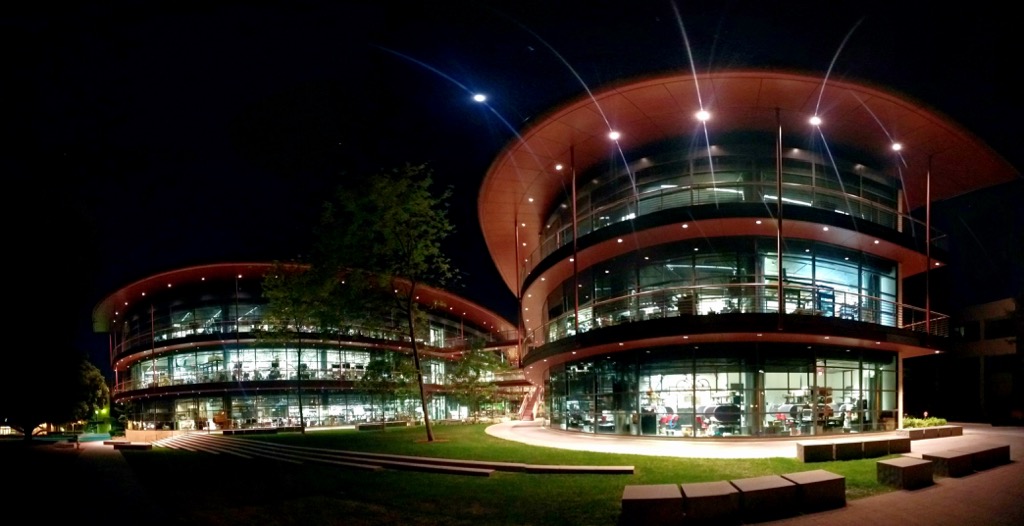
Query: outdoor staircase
point(535, 394)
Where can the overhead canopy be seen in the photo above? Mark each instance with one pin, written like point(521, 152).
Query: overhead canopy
point(522, 185)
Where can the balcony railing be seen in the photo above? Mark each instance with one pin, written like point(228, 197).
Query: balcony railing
point(225, 331)
point(656, 200)
point(806, 300)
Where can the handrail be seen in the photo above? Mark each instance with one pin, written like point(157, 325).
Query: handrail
point(656, 200)
point(192, 376)
point(811, 300)
point(226, 331)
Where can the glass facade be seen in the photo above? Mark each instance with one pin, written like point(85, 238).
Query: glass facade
point(726, 390)
point(200, 357)
point(724, 276)
point(721, 388)
point(721, 175)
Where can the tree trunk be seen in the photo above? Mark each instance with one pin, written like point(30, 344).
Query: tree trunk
point(298, 376)
point(416, 360)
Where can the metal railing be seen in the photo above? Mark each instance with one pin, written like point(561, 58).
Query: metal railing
point(227, 331)
point(656, 200)
point(806, 300)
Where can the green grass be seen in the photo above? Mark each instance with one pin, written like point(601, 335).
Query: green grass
point(199, 488)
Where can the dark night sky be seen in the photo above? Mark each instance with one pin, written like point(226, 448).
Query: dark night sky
point(142, 137)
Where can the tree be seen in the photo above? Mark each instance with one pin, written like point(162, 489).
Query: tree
point(471, 377)
point(72, 390)
point(295, 300)
point(387, 375)
point(392, 226)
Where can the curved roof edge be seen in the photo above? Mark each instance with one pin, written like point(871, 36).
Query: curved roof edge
point(106, 309)
point(522, 186)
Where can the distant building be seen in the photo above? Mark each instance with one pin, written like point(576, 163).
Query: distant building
point(187, 355)
point(981, 379)
point(737, 273)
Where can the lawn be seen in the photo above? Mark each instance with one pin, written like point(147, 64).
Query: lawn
point(199, 488)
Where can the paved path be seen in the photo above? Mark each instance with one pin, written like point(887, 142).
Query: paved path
point(992, 497)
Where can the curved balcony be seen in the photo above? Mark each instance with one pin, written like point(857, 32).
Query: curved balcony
point(758, 298)
point(167, 334)
point(658, 199)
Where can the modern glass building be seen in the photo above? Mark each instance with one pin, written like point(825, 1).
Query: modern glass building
point(189, 351)
point(727, 254)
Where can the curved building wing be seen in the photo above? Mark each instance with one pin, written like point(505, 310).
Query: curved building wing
point(726, 254)
point(190, 351)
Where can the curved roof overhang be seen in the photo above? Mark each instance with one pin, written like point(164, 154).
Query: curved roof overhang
point(522, 185)
point(551, 278)
point(432, 297)
point(731, 329)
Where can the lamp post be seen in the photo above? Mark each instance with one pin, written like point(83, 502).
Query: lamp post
point(778, 219)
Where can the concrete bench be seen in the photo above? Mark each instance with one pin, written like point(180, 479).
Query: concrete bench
point(815, 451)
point(766, 498)
point(905, 472)
point(133, 445)
point(985, 456)
point(918, 433)
point(578, 470)
point(950, 463)
point(370, 427)
point(849, 450)
point(435, 468)
point(818, 490)
point(898, 446)
point(878, 447)
point(652, 504)
point(711, 503)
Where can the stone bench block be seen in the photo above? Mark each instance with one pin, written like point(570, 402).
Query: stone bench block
point(652, 504)
point(945, 431)
point(711, 503)
point(815, 451)
point(985, 456)
point(766, 498)
point(950, 463)
point(849, 450)
point(931, 432)
point(956, 431)
point(877, 448)
point(133, 445)
point(905, 472)
point(915, 433)
point(818, 490)
point(898, 446)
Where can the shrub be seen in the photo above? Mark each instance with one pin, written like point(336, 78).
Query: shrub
point(909, 422)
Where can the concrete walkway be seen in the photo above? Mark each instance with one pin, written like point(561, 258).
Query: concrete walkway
point(991, 497)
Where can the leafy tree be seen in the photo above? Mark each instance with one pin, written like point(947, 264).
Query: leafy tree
point(470, 379)
point(389, 376)
point(391, 225)
point(72, 390)
point(295, 302)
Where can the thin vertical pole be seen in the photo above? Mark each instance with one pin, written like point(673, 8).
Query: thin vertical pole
point(519, 291)
point(928, 249)
point(778, 216)
point(575, 246)
point(152, 343)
